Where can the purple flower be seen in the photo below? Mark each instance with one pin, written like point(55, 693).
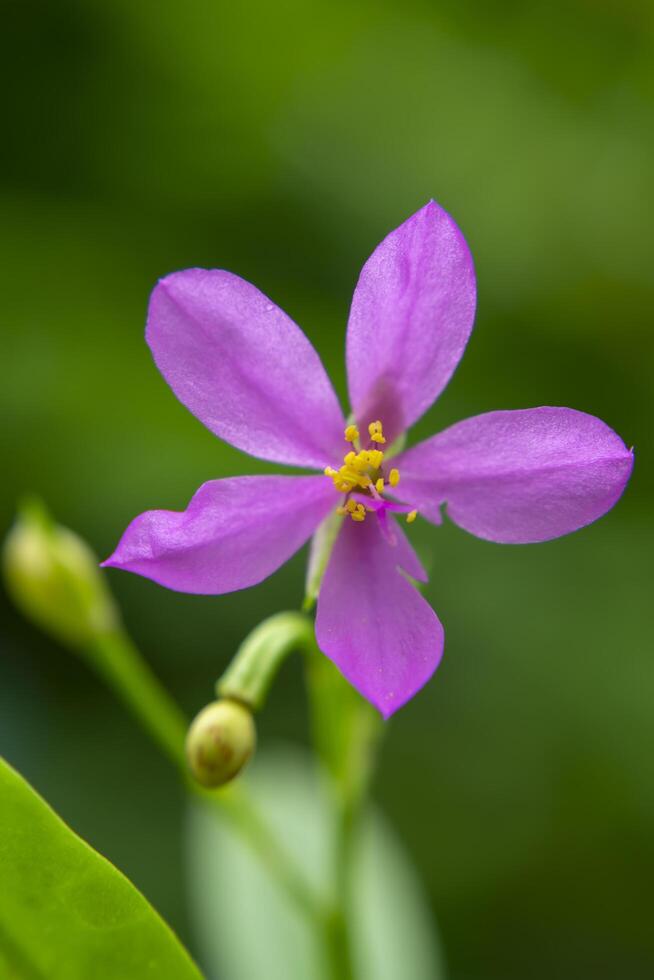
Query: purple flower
point(252, 377)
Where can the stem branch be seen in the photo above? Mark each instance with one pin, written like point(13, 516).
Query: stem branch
point(119, 662)
point(345, 731)
point(121, 665)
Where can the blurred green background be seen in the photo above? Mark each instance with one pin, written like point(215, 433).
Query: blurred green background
point(282, 141)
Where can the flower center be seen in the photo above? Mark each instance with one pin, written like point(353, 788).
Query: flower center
point(363, 474)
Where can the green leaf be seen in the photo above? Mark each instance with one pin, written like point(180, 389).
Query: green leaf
point(65, 912)
point(246, 928)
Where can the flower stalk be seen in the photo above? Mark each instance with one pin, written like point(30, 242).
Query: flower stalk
point(255, 665)
point(346, 732)
point(114, 656)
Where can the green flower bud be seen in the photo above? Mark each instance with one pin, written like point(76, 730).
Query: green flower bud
point(53, 577)
point(220, 741)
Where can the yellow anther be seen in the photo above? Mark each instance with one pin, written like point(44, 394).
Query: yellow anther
point(376, 432)
point(394, 477)
point(411, 516)
point(360, 471)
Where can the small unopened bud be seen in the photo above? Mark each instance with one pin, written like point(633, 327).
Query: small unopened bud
point(220, 741)
point(53, 577)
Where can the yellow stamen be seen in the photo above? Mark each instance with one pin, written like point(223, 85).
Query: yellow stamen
point(360, 470)
point(354, 510)
point(376, 432)
point(411, 516)
point(394, 477)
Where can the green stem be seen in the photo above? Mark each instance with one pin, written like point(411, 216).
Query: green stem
point(255, 664)
point(237, 805)
point(119, 662)
point(248, 679)
point(345, 731)
point(338, 955)
point(339, 945)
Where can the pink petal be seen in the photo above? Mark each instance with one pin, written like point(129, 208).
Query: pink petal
point(242, 366)
point(376, 627)
point(233, 534)
point(411, 316)
point(518, 477)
